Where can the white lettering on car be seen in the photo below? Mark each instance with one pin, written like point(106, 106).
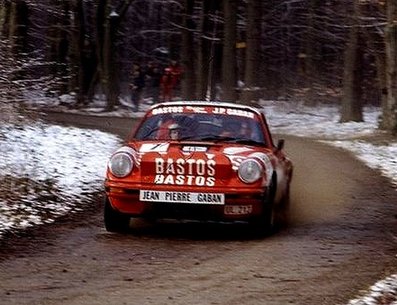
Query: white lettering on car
point(196, 109)
point(198, 172)
point(197, 167)
point(239, 112)
point(235, 112)
point(194, 149)
point(170, 168)
point(201, 167)
point(219, 110)
point(173, 109)
point(180, 170)
point(211, 167)
point(184, 180)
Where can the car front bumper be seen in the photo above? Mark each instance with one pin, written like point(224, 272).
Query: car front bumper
point(242, 205)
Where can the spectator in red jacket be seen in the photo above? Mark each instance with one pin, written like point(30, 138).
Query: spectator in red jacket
point(170, 80)
point(167, 84)
point(176, 72)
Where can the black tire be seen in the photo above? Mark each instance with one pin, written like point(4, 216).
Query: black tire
point(267, 222)
point(114, 220)
point(284, 211)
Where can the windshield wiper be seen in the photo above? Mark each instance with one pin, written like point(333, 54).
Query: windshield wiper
point(247, 142)
point(215, 138)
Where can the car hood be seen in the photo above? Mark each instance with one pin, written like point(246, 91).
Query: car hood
point(191, 164)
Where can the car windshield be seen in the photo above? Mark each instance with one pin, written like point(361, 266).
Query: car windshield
point(201, 127)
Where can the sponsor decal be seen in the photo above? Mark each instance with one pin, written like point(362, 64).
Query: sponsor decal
point(232, 111)
point(234, 155)
point(181, 171)
point(194, 149)
point(154, 147)
point(235, 161)
point(181, 197)
point(171, 109)
point(198, 109)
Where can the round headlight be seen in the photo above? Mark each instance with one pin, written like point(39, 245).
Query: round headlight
point(250, 171)
point(121, 164)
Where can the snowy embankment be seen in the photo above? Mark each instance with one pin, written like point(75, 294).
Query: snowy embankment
point(323, 124)
point(48, 171)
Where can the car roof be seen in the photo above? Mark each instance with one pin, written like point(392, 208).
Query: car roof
point(251, 107)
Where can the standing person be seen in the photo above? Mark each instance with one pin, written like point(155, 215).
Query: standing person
point(167, 85)
point(154, 75)
point(176, 73)
point(137, 85)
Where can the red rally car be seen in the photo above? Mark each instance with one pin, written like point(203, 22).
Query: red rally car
point(199, 161)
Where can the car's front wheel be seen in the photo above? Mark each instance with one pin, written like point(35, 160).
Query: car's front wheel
point(266, 223)
point(284, 210)
point(114, 220)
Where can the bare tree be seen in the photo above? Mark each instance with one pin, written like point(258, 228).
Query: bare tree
point(15, 26)
point(351, 108)
point(203, 46)
point(108, 22)
point(188, 52)
point(389, 116)
point(229, 63)
point(292, 48)
point(253, 51)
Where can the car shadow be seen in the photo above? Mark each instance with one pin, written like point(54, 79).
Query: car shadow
point(197, 230)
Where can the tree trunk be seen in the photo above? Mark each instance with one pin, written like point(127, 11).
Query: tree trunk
point(229, 68)
point(251, 88)
point(61, 42)
point(374, 39)
point(389, 115)
point(105, 48)
point(188, 83)
point(351, 108)
point(83, 55)
point(307, 58)
point(100, 34)
point(110, 79)
point(81, 48)
point(17, 26)
point(203, 47)
point(4, 11)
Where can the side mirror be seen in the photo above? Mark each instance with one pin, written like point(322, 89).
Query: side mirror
point(280, 144)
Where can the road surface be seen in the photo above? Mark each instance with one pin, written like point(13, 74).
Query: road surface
point(342, 239)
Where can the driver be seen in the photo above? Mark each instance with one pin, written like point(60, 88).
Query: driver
point(164, 130)
point(245, 130)
point(173, 131)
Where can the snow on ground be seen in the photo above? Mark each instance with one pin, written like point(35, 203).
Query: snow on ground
point(322, 124)
point(39, 164)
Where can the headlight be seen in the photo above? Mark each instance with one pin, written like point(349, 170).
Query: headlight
point(121, 164)
point(250, 171)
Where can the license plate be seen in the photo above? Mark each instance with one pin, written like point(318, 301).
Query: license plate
point(181, 197)
point(238, 209)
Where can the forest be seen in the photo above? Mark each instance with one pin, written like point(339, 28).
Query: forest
point(310, 51)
